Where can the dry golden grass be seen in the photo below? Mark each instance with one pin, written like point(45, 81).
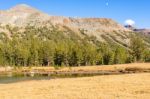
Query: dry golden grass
point(83, 68)
point(93, 68)
point(129, 86)
point(113, 67)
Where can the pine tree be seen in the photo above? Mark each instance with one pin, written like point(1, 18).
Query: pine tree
point(137, 46)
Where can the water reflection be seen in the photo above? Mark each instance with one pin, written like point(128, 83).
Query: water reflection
point(17, 77)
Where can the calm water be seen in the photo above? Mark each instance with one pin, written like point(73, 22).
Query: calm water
point(17, 77)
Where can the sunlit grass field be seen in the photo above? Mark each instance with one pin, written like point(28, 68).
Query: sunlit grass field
point(127, 86)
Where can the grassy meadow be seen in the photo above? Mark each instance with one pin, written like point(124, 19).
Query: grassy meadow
point(127, 86)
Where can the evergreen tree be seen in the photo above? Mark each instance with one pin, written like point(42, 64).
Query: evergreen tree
point(137, 46)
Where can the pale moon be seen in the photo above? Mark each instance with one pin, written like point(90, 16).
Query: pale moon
point(107, 4)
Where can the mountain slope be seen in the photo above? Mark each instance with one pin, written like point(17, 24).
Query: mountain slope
point(29, 37)
point(21, 15)
point(103, 29)
point(143, 31)
point(25, 14)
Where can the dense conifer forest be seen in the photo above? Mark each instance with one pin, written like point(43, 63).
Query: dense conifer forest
point(45, 46)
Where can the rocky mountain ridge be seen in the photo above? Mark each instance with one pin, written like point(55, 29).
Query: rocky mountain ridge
point(22, 14)
point(103, 29)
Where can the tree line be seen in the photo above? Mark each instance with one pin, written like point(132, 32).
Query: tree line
point(52, 47)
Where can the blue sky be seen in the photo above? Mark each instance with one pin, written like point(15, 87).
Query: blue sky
point(119, 10)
